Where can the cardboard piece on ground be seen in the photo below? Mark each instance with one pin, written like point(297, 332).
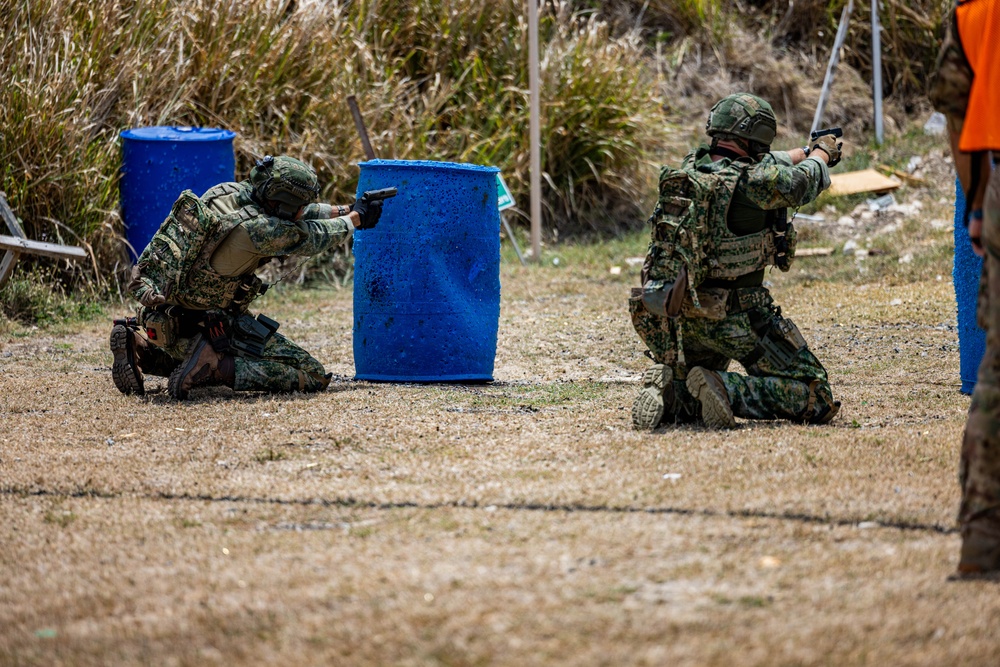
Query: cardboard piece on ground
point(867, 180)
point(813, 252)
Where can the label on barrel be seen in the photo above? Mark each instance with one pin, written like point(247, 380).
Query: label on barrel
point(505, 199)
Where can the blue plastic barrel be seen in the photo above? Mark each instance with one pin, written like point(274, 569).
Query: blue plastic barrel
point(968, 266)
point(158, 163)
point(427, 278)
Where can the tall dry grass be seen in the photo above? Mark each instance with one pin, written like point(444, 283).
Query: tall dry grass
point(439, 80)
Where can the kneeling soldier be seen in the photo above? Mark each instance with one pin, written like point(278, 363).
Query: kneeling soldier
point(720, 221)
point(195, 282)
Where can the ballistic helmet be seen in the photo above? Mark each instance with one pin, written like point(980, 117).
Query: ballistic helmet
point(745, 116)
point(284, 183)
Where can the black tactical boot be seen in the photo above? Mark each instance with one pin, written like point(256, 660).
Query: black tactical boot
point(125, 369)
point(202, 367)
point(707, 387)
point(135, 356)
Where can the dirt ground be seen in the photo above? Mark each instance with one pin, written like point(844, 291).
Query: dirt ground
point(521, 522)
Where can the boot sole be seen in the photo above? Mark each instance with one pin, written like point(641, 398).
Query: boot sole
point(126, 375)
point(715, 410)
point(647, 410)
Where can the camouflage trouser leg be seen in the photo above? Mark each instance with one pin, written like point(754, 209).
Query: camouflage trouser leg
point(284, 367)
point(979, 467)
point(656, 334)
point(795, 391)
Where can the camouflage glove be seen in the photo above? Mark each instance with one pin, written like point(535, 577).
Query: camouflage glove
point(370, 212)
point(829, 145)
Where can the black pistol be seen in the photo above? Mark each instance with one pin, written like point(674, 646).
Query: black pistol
point(384, 193)
point(835, 131)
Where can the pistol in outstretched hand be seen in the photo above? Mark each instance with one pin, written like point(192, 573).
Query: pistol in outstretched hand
point(826, 140)
point(369, 206)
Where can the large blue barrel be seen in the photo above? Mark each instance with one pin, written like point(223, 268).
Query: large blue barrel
point(427, 278)
point(158, 163)
point(968, 266)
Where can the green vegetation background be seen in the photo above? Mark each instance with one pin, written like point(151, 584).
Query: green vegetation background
point(622, 84)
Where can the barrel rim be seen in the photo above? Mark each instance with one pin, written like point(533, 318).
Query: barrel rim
point(179, 133)
point(431, 164)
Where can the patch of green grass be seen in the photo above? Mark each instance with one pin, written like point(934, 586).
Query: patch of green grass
point(268, 455)
point(755, 601)
point(59, 517)
point(36, 297)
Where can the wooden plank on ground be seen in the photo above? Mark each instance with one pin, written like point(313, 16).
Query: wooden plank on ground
point(42, 248)
point(8, 216)
point(7, 266)
point(9, 257)
point(867, 180)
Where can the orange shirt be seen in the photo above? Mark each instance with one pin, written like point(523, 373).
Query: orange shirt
point(979, 31)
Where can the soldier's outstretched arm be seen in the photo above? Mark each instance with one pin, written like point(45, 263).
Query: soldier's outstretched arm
point(777, 182)
point(277, 237)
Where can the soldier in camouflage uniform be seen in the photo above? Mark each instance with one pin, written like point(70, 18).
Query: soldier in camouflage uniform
point(195, 281)
point(735, 317)
point(966, 87)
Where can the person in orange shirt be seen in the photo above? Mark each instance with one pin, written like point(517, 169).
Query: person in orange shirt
point(966, 88)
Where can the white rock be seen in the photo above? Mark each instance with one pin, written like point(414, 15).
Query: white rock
point(936, 124)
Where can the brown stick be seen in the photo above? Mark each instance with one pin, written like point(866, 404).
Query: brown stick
point(359, 123)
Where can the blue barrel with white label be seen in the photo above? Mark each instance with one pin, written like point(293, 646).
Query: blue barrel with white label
point(427, 277)
point(158, 163)
point(968, 267)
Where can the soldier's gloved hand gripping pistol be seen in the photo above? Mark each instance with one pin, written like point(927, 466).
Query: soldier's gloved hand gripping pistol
point(826, 140)
point(369, 206)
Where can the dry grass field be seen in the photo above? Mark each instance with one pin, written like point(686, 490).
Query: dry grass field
point(521, 522)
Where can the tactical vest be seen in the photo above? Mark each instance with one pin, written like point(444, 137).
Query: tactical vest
point(689, 228)
point(177, 260)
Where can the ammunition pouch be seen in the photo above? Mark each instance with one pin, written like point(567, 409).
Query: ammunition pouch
point(250, 335)
point(161, 329)
point(714, 304)
point(165, 325)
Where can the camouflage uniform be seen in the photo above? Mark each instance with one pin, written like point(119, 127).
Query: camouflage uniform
point(789, 385)
point(219, 285)
point(979, 463)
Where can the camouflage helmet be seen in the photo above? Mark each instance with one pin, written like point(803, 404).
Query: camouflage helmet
point(742, 115)
point(284, 182)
